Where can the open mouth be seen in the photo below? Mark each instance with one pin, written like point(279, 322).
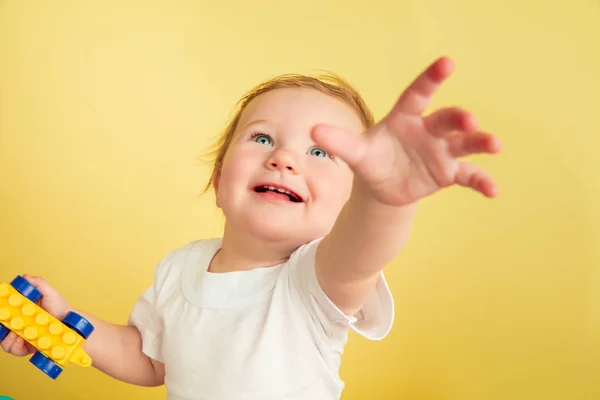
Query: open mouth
point(279, 192)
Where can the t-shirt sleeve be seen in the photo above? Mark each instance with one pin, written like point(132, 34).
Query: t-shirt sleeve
point(146, 315)
point(373, 321)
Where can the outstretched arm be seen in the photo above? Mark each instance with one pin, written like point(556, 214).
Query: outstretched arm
point(400, 160)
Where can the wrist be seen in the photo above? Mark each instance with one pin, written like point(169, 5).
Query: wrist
point(61, 312)
point(364, 202)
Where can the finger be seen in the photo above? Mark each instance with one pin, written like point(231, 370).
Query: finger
point(415, 99)
point(348, 146)
point(40, 284)
point(19, 347)
point(30, 348)
point(447, 120)
point(8, 341)
point(475, 178)
point(462, 145)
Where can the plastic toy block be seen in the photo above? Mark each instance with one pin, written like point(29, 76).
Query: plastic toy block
point(58, 342)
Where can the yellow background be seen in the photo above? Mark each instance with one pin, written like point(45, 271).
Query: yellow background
point(105, 107)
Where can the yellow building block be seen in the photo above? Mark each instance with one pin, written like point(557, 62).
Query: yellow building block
point(48, 335)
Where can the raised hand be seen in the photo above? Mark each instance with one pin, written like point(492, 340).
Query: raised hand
point(407, 156)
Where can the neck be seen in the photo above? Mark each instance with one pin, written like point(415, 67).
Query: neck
point(240, 252)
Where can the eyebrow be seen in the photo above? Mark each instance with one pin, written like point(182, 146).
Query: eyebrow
point(256, 121)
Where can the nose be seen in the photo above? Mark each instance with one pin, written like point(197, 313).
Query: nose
point(283, 161)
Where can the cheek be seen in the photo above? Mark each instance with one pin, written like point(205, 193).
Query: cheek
point(330, 186)
point(231, 176)
point(237, 166)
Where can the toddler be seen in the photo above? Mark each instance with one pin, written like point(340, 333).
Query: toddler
point(317, 199)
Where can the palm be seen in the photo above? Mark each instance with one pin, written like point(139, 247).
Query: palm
point(407, 156)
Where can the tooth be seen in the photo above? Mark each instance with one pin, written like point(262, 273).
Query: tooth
point(281, 190)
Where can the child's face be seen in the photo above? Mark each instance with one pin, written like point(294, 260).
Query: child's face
point(272, 146)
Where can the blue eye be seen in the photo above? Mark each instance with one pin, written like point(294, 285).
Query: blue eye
point(262, 139)
point(318, 152)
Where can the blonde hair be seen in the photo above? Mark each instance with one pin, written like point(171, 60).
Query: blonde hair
point(330, 84)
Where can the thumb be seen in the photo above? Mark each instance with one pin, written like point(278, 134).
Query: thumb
point(52, 301)
point(40, 284)
point(348, 146)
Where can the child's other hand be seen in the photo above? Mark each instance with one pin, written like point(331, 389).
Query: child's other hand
point(51, 301)
point(407, 156)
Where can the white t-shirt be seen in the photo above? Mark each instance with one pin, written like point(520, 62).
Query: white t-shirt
point(267, 333)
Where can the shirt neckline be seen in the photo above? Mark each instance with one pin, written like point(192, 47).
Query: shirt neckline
point(223, 290)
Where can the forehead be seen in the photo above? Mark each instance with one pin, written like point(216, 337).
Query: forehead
point(301, 107)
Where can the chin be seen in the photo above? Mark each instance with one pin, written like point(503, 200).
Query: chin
point(277, 231)
point(272, 230)
point(281, 228)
